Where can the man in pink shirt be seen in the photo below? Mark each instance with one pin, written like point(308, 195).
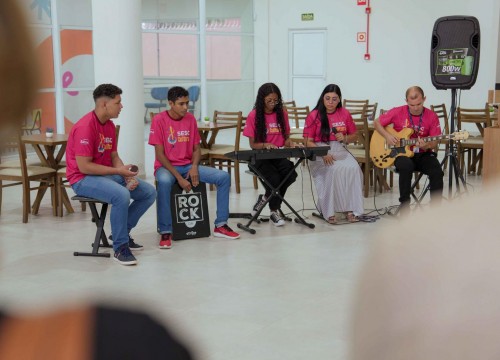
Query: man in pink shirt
point(174, 134)
point(425, 123)
point(95, 170)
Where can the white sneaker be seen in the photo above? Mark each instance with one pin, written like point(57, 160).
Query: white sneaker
point(276, 218)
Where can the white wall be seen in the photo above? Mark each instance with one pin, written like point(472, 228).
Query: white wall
point(498, 53)
point(400, 45)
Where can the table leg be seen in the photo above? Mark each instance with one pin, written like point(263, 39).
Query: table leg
point(203, 137)
point(213, 135)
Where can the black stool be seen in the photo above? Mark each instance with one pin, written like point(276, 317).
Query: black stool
point(99, 220)
point(414, 186)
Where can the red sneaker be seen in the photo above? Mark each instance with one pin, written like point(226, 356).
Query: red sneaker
point(166, 241)
point(226, 232)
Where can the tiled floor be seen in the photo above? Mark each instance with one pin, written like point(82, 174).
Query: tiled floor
point(283, 293)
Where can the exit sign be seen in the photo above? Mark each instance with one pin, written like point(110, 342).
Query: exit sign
point(308, 17)
point(361, 2)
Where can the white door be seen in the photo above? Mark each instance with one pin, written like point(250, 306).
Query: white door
point(307, 66)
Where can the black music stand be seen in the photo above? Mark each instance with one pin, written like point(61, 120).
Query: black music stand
point(253, 155)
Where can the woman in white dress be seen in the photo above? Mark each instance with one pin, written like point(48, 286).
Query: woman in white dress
point(337, 175)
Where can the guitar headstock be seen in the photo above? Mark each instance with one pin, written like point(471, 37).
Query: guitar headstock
point(460, 135)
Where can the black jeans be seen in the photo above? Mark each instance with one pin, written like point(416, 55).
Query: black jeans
point(274, 171)
point(426, 163)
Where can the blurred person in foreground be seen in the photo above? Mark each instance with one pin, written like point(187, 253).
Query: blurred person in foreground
point(81, 332)
point(435, 296)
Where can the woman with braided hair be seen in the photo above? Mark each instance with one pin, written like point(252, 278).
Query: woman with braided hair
point(267, 127)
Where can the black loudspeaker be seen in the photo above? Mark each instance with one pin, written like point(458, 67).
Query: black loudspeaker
point(455, 52)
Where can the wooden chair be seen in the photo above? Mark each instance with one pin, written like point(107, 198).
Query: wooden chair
point(473, 145)
point(442, 114)
point(371, 111)
point(296, 115)
point(361, 149)
point(355, 107)
point(216, 153)
point(35, 124)
point(289, 103)
point(24, 175)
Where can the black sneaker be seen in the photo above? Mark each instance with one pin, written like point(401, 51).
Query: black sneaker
point(261, 200)
point(276, 218)
point(124, 256)
point(131, 243)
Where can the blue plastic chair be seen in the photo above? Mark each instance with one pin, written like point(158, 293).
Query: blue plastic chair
point(157, 93)
point(194, 95)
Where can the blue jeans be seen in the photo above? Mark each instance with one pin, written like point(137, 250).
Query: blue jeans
point(207, 175)
point(111, 189)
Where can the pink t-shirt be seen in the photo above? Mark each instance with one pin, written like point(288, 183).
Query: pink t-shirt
point(273, 130)
point(89, 138)
point(423, 125)
point(340, 119)
point(178, 137)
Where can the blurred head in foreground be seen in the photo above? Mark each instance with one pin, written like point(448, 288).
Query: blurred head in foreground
point(433, 292)
point(17, 66)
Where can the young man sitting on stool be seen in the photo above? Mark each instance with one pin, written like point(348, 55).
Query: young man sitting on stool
point(174, 134)
point(95, 170)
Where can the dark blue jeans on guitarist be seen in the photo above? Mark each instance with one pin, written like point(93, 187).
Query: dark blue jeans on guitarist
point(426, 163)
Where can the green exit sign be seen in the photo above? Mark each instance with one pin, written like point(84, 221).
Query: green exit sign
point(308, 17)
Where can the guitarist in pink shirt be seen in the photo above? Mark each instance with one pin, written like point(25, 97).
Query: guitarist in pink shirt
point(424, 123)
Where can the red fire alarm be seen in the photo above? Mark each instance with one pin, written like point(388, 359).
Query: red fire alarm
point(367, 56)
point(361, 2)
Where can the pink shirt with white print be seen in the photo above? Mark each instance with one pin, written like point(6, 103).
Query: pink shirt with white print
point(426, 124)
point(273, 130)
point(89, 138)
point(178, 138)
point(341, 120)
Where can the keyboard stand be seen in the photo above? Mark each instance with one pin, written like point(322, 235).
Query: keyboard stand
point(274, 192)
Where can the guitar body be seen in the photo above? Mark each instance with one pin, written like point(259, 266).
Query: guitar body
point(382, 155)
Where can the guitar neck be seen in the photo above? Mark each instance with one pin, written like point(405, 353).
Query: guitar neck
point(406, 142)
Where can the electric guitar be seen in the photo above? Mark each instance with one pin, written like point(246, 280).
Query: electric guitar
point(384, 155)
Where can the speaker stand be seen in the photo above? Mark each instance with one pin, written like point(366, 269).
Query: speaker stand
point(454, 171)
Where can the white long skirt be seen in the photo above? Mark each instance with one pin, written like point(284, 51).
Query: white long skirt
point(339, 186)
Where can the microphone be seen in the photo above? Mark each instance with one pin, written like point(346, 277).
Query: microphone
point(335, 131)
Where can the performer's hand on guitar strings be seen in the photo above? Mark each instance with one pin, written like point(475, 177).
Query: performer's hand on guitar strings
point(392, 140)
point(422, 144)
